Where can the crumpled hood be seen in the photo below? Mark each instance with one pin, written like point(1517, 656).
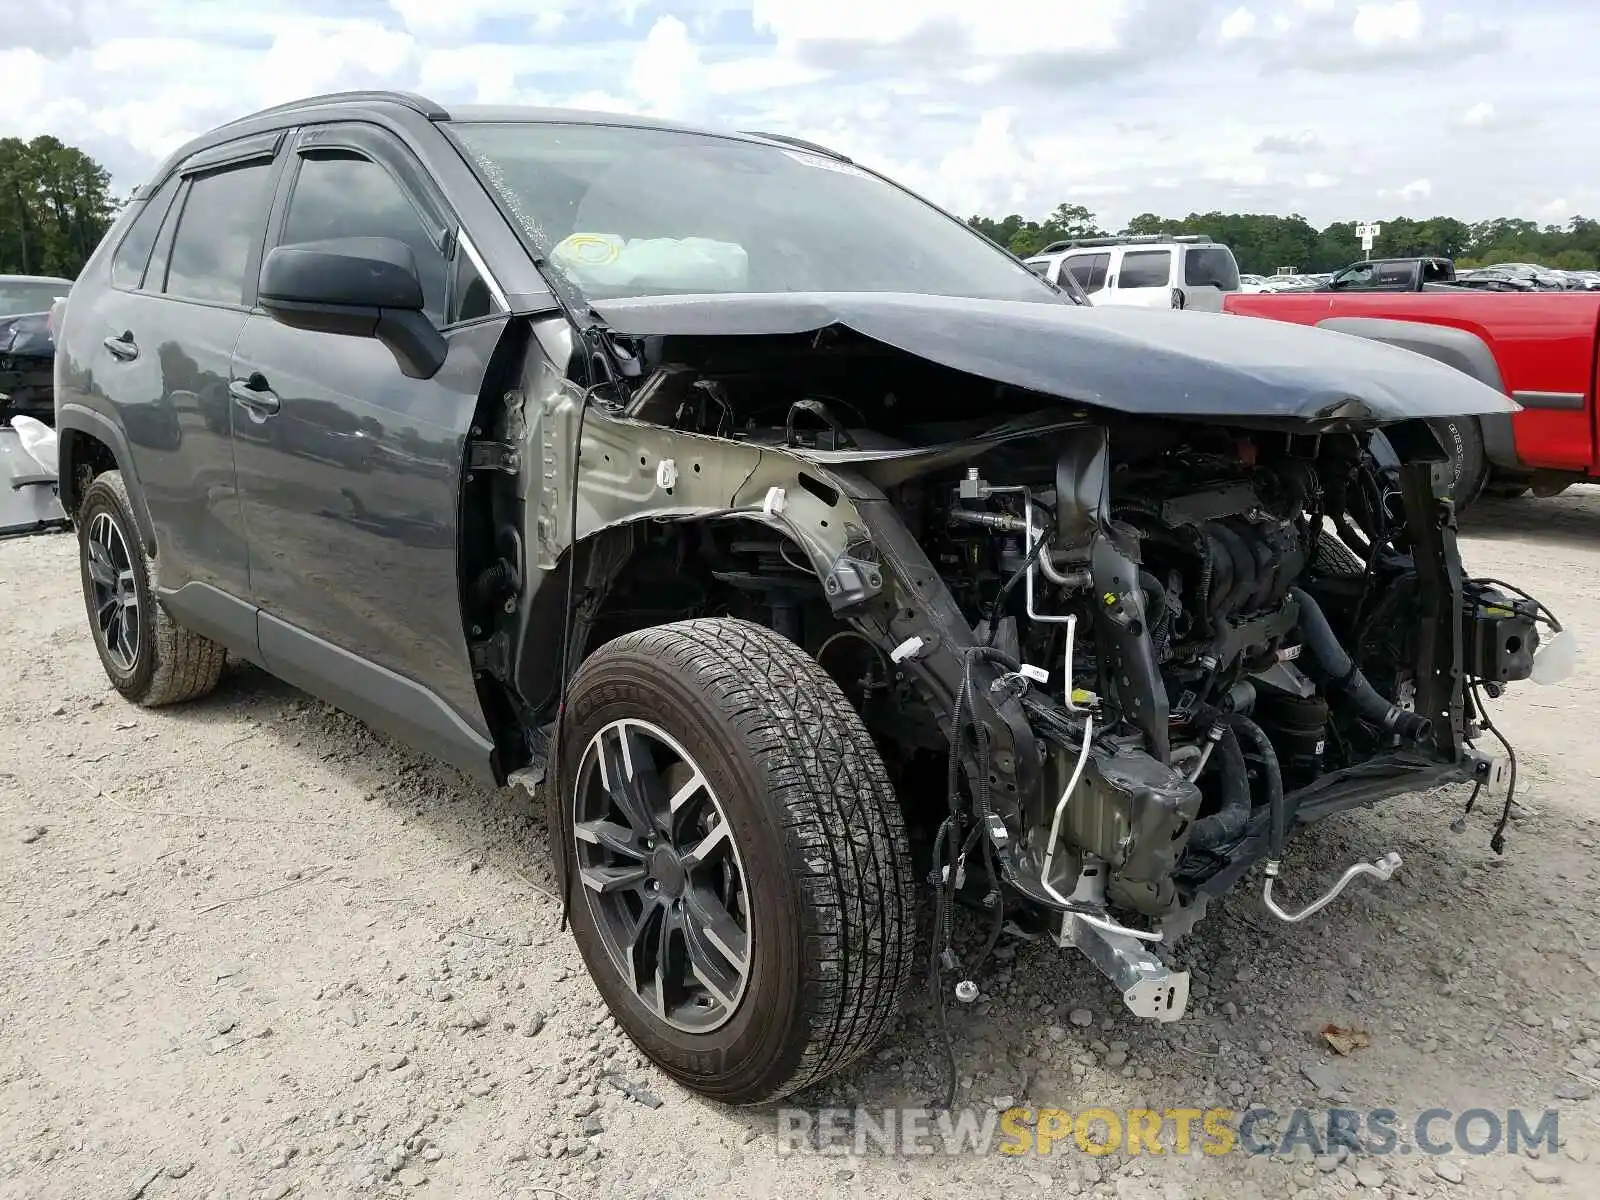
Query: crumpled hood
point(1152, 362)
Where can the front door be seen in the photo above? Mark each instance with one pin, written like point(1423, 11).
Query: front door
point(349, 471)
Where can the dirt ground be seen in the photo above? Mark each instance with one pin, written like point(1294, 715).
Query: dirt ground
point(253, 950)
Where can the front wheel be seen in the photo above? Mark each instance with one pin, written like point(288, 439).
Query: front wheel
point(1468, 463)
point(740, 877)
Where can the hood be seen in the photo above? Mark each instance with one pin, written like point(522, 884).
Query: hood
point(1147, 362)
point(27, 334)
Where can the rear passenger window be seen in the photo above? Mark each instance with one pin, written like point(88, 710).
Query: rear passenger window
point(340, 195)
point(1089, 270)
point(128, 263)
point(1146, 269)
point(223, 217)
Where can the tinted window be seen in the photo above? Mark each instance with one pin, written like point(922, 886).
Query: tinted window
point(1038, 268)
point(128, 264)
point(470, 299)
point(1145, 269)
point(1089, 270)
point(1211, 265)
point(634, 212)
point(341, 195)
point(222, 218)
point(20, 296)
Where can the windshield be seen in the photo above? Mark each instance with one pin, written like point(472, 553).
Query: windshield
point(623, 211)
point(19, 296)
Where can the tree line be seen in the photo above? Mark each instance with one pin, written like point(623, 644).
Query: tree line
point(55, 206)
point(1263, 243)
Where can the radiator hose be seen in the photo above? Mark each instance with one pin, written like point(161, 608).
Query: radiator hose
point(1347, 677)
point(1228, 822)
point(1271, 778)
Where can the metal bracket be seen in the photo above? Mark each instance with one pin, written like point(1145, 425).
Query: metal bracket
point(493, 456)
point(1149, 987)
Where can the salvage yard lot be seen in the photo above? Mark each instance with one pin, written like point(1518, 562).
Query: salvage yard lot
point(254, 950)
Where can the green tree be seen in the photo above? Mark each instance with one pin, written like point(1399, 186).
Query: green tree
point(55, 206)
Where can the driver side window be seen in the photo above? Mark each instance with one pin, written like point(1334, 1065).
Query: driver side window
point(339, 194)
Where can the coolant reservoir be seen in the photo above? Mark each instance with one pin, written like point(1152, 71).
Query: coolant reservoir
point(1556, 659)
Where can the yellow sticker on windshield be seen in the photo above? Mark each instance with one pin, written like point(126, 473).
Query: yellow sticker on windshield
point(590, 249)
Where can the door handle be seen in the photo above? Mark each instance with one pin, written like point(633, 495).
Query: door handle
point(254, 394)
point(123, 348)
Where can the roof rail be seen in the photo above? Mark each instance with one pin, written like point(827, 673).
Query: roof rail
point(797, 143)
point(1142, 239)
point(418, 104)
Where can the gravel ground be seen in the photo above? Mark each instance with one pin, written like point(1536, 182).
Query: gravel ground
point(254, 950)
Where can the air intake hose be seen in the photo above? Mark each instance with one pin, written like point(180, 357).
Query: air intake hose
point(1228, 822)
point(1347, 677)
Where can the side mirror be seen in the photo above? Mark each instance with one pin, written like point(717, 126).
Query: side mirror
point(359, 287)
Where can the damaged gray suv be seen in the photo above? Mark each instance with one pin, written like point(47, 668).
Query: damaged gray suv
point(823, 566)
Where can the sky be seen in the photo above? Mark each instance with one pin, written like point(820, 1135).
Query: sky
point(1335, 109)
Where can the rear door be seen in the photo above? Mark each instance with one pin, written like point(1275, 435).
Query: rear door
point(1090, 272)
point(350, 472)
point(159, 341)
point(1142, 279)
point(1209, 274)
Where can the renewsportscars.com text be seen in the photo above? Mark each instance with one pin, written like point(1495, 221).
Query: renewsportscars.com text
point(1175, 1131)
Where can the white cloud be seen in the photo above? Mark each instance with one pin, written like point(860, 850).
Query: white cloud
point(1129, 105)
point(1385, 24)
point(1093, 26)
point(666, 71)
point(1417, 189)
point(458, 20)
point(1240, 23)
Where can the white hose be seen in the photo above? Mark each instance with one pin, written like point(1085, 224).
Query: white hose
point(1061, 805)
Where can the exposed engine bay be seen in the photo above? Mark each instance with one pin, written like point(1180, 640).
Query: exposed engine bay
point(1112, 661)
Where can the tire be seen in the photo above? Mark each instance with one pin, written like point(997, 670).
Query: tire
point(149, 657)
point(815, 837)
point(1469, 463)
point(1332, 557)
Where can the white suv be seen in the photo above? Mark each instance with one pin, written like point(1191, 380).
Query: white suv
point(1189, 271)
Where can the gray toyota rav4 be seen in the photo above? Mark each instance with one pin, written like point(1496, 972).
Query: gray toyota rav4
point(825, 569)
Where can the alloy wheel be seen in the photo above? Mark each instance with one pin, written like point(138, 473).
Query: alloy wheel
point(116, 595)
point(662, 875)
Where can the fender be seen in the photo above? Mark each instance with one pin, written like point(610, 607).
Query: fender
point(81, 419)
point(1458, 348)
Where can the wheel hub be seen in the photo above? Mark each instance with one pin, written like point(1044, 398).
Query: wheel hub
point(666, 871)
point(662, 875)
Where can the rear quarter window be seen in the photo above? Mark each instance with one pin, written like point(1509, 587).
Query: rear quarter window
point(1145, 269)
point(133, 255)
point(1213, 266)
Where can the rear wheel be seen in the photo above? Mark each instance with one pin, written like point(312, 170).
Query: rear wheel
point(740, 878)
point(148, 656)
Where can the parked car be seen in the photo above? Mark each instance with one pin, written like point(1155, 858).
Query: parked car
point(1144, 272)
point(1393, 275)
point(1538, 347)
point(797, 541)
point(27, 345)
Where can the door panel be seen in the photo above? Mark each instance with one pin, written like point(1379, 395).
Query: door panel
point(350, 489)
point(160, 347)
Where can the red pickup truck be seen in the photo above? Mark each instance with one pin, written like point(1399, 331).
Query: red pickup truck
point(1539, 348)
